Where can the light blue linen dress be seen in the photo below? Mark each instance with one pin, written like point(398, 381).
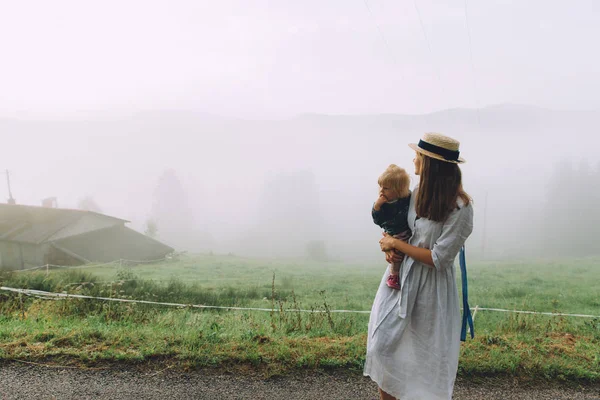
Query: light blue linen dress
point(413, 342)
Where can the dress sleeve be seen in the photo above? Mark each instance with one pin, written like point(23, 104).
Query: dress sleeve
point(455, 232)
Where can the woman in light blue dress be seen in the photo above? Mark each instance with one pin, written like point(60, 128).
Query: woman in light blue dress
point(413, 341)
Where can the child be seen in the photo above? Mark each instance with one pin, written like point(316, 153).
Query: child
point(390, 211)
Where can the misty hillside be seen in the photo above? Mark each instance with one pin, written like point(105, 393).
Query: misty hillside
point(243, 183)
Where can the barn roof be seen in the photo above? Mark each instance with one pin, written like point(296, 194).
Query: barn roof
point(113, 243)
point(32, 224)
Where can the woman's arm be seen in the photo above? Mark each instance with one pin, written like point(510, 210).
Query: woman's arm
point(455, 231)
point(416, 253)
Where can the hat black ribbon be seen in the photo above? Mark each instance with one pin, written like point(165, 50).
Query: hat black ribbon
point(450, 155)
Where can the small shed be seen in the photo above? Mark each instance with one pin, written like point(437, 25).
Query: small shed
point(32, 236)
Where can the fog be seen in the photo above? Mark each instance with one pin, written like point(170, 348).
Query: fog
point(256, 128)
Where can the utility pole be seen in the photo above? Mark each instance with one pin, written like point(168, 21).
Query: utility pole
point(10, 197)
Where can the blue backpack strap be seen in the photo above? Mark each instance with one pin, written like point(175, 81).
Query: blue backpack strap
point(467, 317)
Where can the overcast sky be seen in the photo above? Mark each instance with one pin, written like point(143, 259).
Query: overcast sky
point(77, 59)
point(255, 58)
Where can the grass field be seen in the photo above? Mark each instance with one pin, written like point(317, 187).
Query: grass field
point(91, 331)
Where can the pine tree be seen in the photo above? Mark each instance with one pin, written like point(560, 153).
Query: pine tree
point(171, 211)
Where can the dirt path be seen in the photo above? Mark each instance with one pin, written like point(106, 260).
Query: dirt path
point(24, 382)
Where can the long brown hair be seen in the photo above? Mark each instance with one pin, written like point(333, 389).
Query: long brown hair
point(439, 189)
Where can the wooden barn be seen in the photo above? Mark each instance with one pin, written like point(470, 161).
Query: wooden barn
point(34, 236)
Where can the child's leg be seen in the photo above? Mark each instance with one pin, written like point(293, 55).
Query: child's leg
point(395, 267)
point(393, 281)
point(404, 236)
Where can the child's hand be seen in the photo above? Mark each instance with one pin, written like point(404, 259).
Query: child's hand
point(381, 200)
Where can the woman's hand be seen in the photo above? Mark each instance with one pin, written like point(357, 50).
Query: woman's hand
point(392, 257)
point(387, 242)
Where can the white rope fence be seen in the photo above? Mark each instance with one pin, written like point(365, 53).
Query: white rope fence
point(120, 262)
point(538, 313)
point(53, 296)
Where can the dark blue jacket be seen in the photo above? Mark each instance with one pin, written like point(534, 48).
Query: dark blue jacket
point(393, 217)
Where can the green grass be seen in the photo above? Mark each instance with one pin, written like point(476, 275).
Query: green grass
point(90, 331)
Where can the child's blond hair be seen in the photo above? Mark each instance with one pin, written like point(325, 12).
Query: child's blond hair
point(397, 179)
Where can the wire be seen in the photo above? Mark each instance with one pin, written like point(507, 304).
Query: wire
point(380, 32)
point(473, 74)
point(435, 68)
point(389, 50)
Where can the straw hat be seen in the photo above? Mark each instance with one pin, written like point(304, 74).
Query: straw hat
point(440, 147)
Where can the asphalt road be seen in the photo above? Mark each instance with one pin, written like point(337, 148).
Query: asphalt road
point(23, 382)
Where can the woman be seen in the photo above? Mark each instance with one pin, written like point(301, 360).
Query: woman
point(414, 333)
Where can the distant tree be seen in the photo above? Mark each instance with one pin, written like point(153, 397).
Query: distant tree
point(289, 214)
point(556, 216)
point(171, 210)
point(316, 250)
point(88, 204)
point(595, 184)
point(151, 228)
point(570, 212)
point(585, 210)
